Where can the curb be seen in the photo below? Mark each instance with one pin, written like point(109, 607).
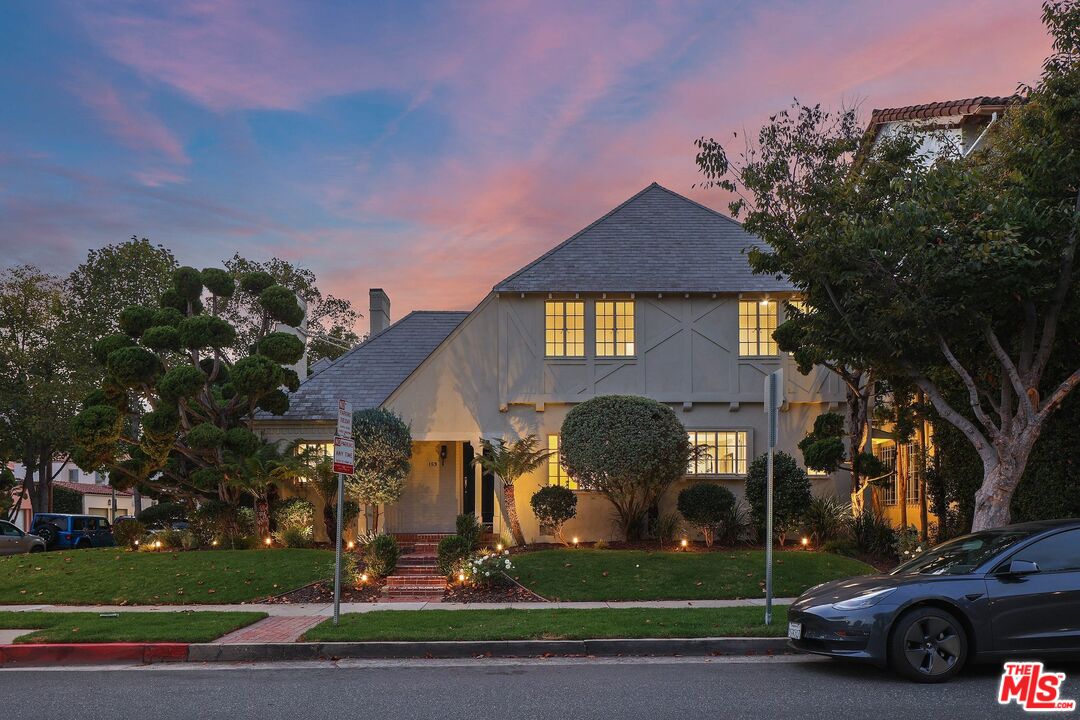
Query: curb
point(92, 653)
point(146, 653)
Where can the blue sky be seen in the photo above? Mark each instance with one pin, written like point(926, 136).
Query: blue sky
point(427, 148)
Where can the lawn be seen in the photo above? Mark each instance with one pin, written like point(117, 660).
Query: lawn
point(585, 574)
point(554, 624)
point(112, 576)
point(86, 627)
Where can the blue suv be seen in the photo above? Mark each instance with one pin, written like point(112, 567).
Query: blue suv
point(65, 532)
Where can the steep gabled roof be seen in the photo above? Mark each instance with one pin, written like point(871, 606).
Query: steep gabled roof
point(657, 241)
point(367, 374)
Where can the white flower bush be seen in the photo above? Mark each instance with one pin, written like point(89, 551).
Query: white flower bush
point(488, 568)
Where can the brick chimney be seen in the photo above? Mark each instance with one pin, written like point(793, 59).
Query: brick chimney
point(378, 310)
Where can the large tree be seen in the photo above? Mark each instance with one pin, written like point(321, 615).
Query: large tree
point(179, 392)
point(382, 458)
point(331, 320)
point(39, 379)
point(942, 270)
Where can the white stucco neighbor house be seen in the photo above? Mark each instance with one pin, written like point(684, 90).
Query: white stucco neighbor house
point(654, 298)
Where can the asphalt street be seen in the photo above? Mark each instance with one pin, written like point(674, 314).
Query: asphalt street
point(541, 689)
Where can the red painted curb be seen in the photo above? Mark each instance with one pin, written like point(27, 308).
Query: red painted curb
point(92, 653)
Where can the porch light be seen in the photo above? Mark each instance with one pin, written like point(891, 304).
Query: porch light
point(764, 302)
point(684, 542)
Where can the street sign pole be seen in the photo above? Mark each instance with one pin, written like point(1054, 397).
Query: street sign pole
point(774, 398)
point(343, 464)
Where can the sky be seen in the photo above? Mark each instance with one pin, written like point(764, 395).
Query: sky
point(428, 148)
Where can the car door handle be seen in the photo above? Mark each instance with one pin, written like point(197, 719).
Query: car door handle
point(972, 597)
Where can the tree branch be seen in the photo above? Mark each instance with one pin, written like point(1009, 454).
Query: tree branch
point(949, 413)
point(1010, 370)
point(973, 391)
point(1067, 385)
point(1046, 342)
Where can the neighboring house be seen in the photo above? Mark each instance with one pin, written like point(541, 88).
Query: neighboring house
point(97, 494)
point(655, 298)
point(946, 126)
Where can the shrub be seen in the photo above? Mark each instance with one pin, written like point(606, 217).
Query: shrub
point(230, 525)
point(381, 556)
point(170, 539)
point(554, 505)
point(736, 526)
point(293, 513)
point(668, 528)
point(488, 569)
point(705, 506)
point(841, 546)
point(189, 540)
point(600, 545)
point(469, 528)
point(629, 449)
point(128, 532)
point(873, 534)
point(791, 491)
point(294, 536)
point(163, 515)
point(908, 543)
point(66, 500)
point(453, 551)
point(826, 518)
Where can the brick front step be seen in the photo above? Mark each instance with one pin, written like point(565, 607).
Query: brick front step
point(416, 561)
point(414, 570)
point(429, 582)
point(429, 538)
point(413, 598)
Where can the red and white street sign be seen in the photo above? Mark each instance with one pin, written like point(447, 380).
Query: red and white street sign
point(344, 449)
point(344, 418)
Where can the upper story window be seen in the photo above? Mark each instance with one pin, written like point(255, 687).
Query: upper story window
point(73, 475)
point(757, 323)
point(556, 472)
point(614, 328)
point(564, 328)
point(723, 452)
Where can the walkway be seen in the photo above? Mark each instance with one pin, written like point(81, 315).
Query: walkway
point(322, 610)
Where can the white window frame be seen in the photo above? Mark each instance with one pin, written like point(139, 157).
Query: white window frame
point(619, 337)
point(740, 464)
point(564, 331)
point(756, 337)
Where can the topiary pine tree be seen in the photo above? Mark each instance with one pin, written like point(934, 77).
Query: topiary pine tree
point(174, 409)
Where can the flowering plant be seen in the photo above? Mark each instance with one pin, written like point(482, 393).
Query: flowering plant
point(488, 568)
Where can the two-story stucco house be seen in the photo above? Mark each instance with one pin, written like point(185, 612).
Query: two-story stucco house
point(655, 298)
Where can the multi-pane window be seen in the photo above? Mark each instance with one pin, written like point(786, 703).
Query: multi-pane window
point(564, 328)
point(912, 463)
point(720, 452)
point(887, 489)
point(614, 328)
point(556, 472)
point(757, 323)
point(314, 452)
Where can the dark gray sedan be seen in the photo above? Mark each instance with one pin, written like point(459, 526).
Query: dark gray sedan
point(14, 541)
point(1011, 592)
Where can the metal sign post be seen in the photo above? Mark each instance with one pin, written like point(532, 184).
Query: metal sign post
point(774, 398)
point(344, 449)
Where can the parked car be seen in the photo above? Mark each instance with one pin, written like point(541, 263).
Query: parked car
point(14, 541)
point(62, 532)
point(1004, 593)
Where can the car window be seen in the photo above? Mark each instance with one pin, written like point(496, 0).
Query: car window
point(10, 530)
point(78, 524)
point(1057, 553)
point(962, 555)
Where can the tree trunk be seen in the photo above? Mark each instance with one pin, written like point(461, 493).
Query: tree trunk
point(375, 518)
point(512, 515)
point(330, 522)
point(262, 517)
point(136, 500)
point(993, 499)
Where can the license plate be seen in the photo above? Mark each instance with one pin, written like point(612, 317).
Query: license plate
point(794, 630)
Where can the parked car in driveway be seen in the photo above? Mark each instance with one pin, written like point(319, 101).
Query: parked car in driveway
point(14, 541)
point(62, 532)
point(1012, 592)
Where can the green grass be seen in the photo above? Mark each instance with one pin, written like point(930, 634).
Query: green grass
point(85, 627)
point(113, 576)
point(554, 624)
point(585, 574)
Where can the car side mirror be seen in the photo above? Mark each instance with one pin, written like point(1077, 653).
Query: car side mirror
point(1023, 567)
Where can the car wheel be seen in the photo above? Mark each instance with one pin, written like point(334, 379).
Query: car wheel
point(83, 544)
point(36, 548)
point(48, 533)
point(928, 645)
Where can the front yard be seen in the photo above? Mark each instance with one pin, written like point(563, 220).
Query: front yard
point(554, 624)
point(111, 576)
point(89, 627)
point(586, 574)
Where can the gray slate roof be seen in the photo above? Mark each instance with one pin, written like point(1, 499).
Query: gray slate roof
point(372, 370)
point(657, 241)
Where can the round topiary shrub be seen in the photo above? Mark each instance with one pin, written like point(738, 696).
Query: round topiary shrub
point(629, 449)
point(255, 375)
point(206, 436)
point(161, 424)
point(161, 337)
point(256, 281)
point(791, 491)
point(282, 347)
point(381, 555)
point(706, 506)
point(133, 366)
point(187, 283)
point(200, 331)
point(128, 533)
point(280, 302)
point(135, 319)
point(219, 282)
point(453, 551)
point(554, 505)
point(101, 349)
point(167, 316)
point(180, 382)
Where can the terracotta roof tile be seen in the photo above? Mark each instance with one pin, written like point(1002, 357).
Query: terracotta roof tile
point(944, 108)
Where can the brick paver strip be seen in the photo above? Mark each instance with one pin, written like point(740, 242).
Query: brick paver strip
point(277, 629)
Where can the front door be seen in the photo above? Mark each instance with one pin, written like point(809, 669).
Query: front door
point(1040, 610)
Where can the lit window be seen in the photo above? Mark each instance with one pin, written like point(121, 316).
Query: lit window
point(614, 328)
point(556, 472)
point(798, 305)
point(564, 326)
point(722, 452)
point(316, 452)
point(757, 323)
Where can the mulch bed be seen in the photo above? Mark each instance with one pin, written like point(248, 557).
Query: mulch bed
point(501, 594)
point(323, 592)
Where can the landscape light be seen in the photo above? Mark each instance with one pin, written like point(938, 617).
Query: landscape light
point(498, 547)
point(267, 542)
point(214, 543)
point(461, 577)
point(351, 545)
point(575, 540)
point(363, 577)
point(136, 542)
point(805, 541)
point(684, 542)
point(157, 544)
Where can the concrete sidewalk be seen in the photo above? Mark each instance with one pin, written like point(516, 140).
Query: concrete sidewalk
point(325, 609)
